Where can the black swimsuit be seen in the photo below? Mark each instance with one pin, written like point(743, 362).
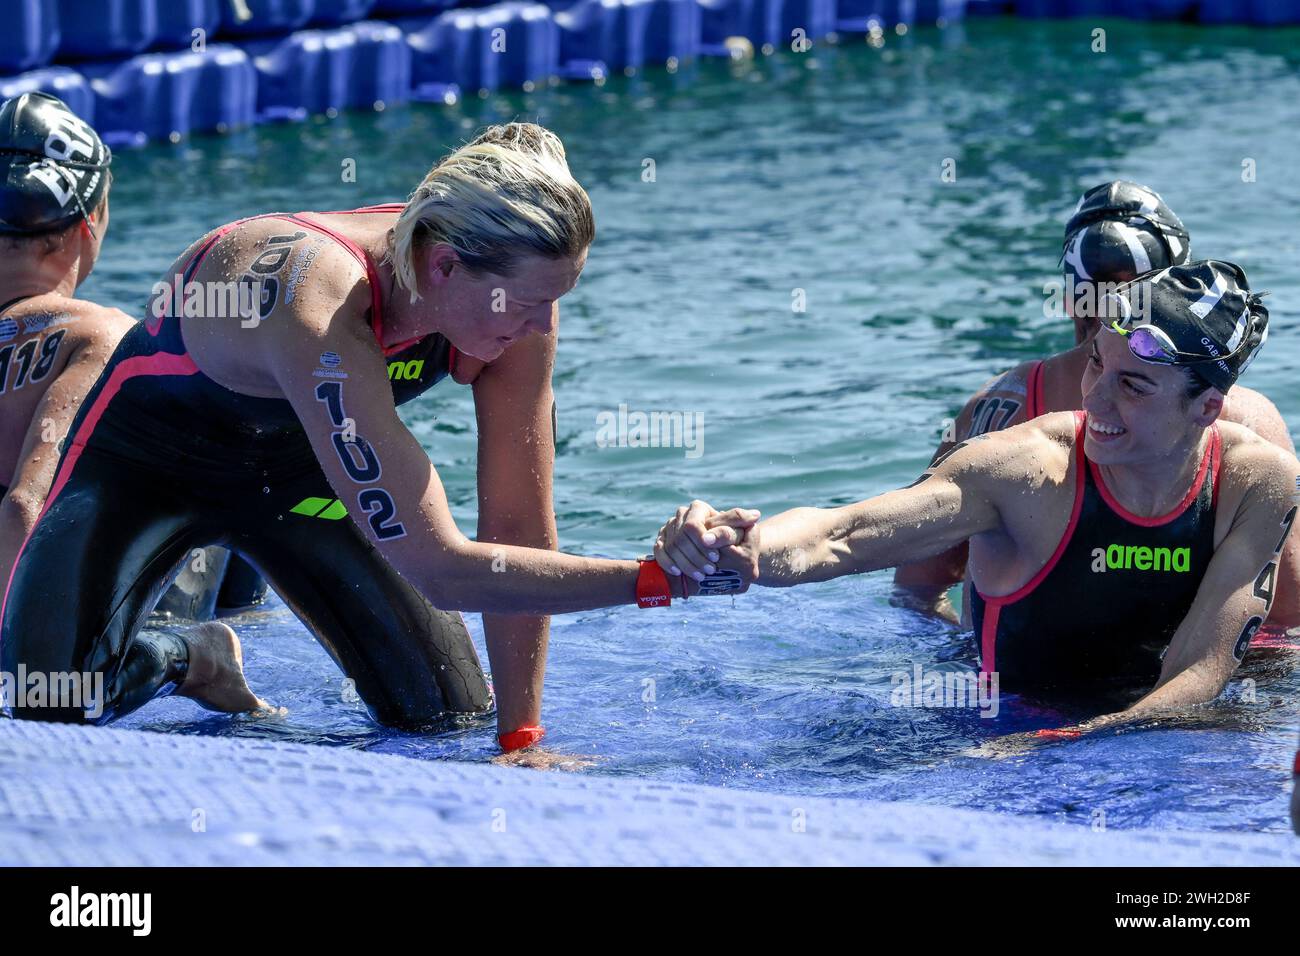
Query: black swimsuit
point(1103, 609)
point(164, 460)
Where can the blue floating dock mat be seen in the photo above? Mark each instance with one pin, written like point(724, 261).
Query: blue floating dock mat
point(169, 95)
point(602, 36)
point(510, 45)
point(253, 17)
point(106, 29)
point(362, 66)
point(30, 35)
point(67, 84)
point(94, 796)
point(178, 19)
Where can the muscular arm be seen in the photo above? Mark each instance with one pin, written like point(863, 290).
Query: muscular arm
point(516, 457)
point(955, 499)
point(923, 585)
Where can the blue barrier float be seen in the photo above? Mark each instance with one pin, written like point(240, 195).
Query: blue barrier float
point(1272, 13)
point(511, 44)
point(1224, 11)
point(758, 21)
point(861, 16)
point(254, 17)
point(816, 18)
point(940, 11)
point(381, 73)
point(676, 31)
point(406, 8)
point(30, 35)
point(67, 84)
point(1162, 9)
point(1040, 8)
point(178, 19)
point(363, 66)
point(599, 36)
point(168, 95)
point(95, 29)
point(303, 73)
point(330, 12)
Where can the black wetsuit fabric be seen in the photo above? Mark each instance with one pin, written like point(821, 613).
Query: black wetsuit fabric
point(1103, 609)
point(163, 460)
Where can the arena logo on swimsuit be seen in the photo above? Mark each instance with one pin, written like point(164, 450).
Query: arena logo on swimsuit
point(1125, 557)
point(407, 371)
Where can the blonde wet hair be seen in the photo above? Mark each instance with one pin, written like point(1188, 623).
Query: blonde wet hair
point(507, 193)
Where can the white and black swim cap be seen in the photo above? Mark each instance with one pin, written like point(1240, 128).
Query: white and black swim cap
point(1208, 311)
point(53, 166)
point(1121, 230)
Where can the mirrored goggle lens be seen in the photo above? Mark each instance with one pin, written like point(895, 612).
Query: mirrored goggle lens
point(1152, 345)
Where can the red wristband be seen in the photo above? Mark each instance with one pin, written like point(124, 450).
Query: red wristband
point(1058, 734)
point(521, 738)
point(652, 588)
point(1295, 768)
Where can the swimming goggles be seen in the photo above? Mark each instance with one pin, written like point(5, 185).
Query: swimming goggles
point(1153, 345)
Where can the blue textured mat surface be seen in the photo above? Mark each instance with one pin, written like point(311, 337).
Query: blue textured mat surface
point(97, 796)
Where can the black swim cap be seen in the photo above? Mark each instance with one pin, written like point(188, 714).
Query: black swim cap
point(1207, 309)
point(53, 166)
point(1121, 230)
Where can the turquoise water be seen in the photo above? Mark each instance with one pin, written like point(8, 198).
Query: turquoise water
point(819, 173)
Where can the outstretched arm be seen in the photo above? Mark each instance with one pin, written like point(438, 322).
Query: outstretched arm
point(923, 585)
point(955, 499)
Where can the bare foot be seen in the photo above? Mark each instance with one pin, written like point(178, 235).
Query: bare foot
point(216, 671)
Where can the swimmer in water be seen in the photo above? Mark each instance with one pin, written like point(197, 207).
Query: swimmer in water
point(1136, 540)
point(256, 408)
point(1119, 230)
point(54, 216)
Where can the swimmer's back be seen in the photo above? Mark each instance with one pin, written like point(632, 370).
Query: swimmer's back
point(40, 338)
